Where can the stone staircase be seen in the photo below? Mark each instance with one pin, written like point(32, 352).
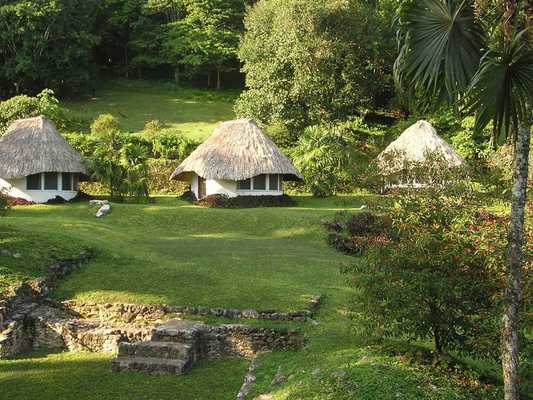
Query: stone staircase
point(173, 349)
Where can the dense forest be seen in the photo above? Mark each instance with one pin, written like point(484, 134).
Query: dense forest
point(68, 45)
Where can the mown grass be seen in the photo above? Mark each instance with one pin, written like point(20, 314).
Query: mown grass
point(75, 376)
point(172, 252)
point(194, 112)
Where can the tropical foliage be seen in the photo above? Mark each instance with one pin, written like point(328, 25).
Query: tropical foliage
point(331, 156)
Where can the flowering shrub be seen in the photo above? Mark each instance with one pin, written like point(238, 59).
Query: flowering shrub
point(17, 201)
point(354, 233)
point(223, 201)
point(437, 271)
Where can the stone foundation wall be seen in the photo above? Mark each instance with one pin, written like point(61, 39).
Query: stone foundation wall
point(16, 325)
point(29, 320)
point(246, 341)
point(158, 312)
point(49, 326)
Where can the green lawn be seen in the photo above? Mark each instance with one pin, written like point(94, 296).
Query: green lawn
point(194, 112)
point(171, 252)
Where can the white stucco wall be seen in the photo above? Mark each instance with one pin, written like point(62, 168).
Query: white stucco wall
point(229, 188)
point(17, 188)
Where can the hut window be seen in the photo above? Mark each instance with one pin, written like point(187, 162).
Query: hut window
point(76, 182)
point(273, 183)
point(50, 181)
point(33, 182)
point(244, 185)
point(66, 181)
point(260, 182)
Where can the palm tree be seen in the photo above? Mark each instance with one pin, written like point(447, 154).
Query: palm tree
point(450, 52)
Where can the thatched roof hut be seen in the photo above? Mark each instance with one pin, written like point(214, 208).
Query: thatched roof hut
point(237, 150)
point(415, 144)
point(34, 145)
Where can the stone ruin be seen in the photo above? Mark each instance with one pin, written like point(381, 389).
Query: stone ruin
point(30, 320)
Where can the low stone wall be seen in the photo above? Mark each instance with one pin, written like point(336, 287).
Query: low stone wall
point(46, 326)
point(158, 312)
point(15, 322)
point(247, 341)
point(29, 320)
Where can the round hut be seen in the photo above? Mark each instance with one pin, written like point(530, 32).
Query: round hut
point(37, 163)
point(238, 159)
point(413, 147)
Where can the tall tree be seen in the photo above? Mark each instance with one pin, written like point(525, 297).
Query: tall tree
point(310, 61)
point(449, 53)
point(46, 43)
point(206, 38)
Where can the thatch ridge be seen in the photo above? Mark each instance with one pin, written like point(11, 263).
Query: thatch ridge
point(33, 145)
point(236, 150)
point(416, 143)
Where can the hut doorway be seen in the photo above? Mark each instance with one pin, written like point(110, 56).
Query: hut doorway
point(201, 188)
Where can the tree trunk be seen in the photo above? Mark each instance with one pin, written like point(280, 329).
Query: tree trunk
point(509, 338)
point(208, 79)
point(219, 83)
point(177, 74)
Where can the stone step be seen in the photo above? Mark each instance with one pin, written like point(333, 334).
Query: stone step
point(179, 331)
point(152, 349)
point(150, 365)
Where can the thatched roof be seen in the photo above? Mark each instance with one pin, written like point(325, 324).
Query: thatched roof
point(236, 150)
point(416, 143)
point(34, 145)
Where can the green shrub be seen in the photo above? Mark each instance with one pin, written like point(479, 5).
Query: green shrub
point(172, 145)
point(354, 233)
point(154, 126)
point(18, 107)
point(159, 171)
point(104, 123)
point(83, 143)
point(120, 165)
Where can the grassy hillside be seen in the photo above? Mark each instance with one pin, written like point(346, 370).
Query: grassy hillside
point(192, 111)
point(175, 253)
point(26, 255)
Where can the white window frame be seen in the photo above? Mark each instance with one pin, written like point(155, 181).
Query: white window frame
point(267, 185)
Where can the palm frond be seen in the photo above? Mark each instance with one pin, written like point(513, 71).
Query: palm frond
point(502, 89)
point(440, 49)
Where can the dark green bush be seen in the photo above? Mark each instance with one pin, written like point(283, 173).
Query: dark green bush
point(354, 233)
point(188, 196)
point(223, 201)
